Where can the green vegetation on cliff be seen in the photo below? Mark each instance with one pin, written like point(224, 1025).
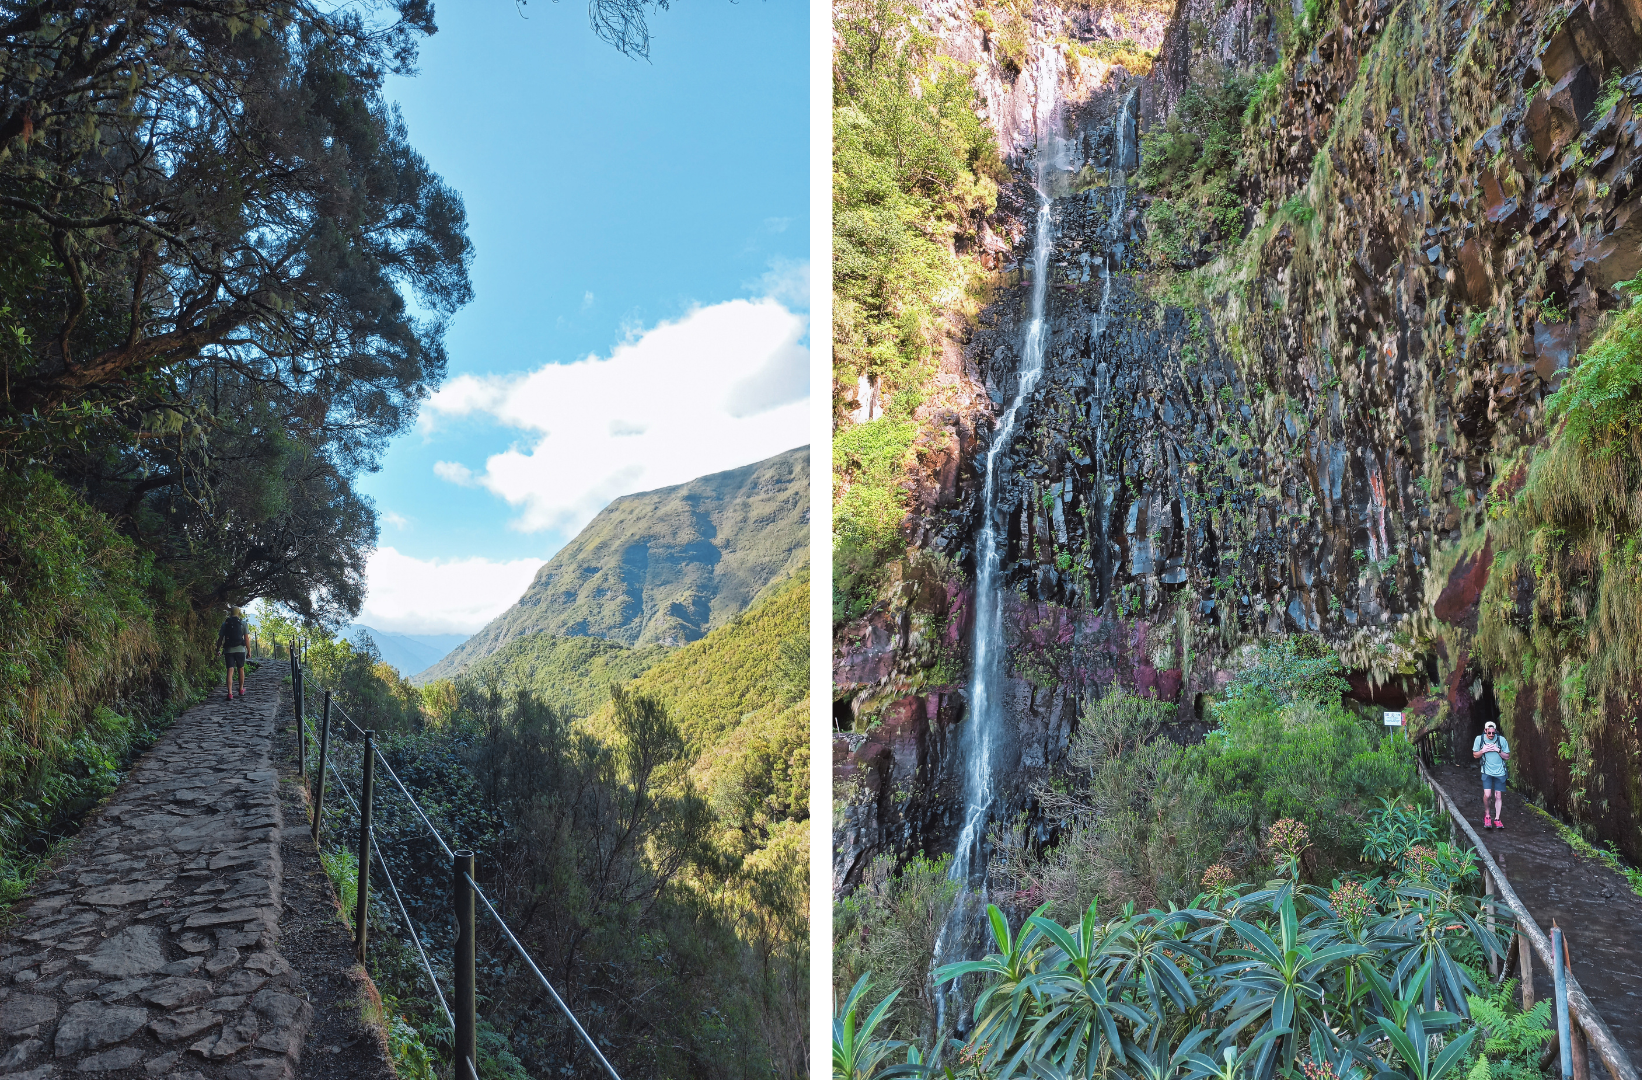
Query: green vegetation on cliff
point(914, 174)
point(666, 566)
point(100, 648)
point(1563, 603)
point(913, 169)
point(1190, 168)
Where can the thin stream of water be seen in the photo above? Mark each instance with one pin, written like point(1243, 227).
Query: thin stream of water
point(984, 735)
point(981, 739)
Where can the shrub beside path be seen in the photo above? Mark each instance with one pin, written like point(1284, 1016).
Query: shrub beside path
point(1593, 904)
point(152, 950)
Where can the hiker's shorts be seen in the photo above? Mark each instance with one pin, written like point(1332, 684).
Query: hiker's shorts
point(1493, 783)
point(232, 660)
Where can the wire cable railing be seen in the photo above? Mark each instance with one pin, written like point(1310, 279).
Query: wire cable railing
point(460, 1010)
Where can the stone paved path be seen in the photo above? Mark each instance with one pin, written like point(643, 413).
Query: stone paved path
point(153, 950)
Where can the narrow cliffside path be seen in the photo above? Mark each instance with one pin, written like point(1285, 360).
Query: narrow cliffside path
point(1595, 906)
point(154, 948)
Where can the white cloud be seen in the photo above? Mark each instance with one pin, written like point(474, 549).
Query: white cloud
point(587, 299)
point(440, 596)
point(453, 471)
point(786, 280)
point(398, 521)
point(724, 386)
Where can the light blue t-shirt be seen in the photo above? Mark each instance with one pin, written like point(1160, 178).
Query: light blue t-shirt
point(1492, 763)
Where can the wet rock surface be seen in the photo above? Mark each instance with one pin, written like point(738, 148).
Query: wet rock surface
point(154, 948)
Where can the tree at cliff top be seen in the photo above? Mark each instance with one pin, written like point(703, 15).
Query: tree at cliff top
point(914, 169)
point(212, 232)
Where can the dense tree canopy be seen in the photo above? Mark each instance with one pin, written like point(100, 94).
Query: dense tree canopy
point(225, 274)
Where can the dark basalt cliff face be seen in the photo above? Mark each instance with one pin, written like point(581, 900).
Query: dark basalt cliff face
point(1301, 429)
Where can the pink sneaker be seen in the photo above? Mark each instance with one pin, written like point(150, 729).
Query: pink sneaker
point(1487, 822)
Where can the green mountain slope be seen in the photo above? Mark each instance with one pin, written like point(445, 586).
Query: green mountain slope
point(572, 674)
point(665, 566)
point(740, 698)
point(759, 660)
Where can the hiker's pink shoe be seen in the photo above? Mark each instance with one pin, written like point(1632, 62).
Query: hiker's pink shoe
point(1498, 824)
point(1487, 822)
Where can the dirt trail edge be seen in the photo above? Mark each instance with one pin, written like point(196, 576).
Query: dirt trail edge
point(153, 949)
point(1595, 906)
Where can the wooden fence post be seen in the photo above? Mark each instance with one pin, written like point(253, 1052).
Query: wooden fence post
point(1559, 983)
point(1525, 954)
point(1576, 1041)
point(463, 1053)
point(1488, 895)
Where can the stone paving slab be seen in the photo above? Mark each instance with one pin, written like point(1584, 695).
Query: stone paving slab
point(153, 950)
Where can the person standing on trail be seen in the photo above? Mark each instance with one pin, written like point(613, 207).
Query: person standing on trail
point(1492, 748)
point(234, 639)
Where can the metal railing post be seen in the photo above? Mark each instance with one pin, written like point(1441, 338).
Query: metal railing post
point(301, 727)
point(1494, 960)
point(363, 904)
point(319, 783)
point(463, 1051)
point(1559, 980)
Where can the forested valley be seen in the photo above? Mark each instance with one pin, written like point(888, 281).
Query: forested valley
point(648, 842)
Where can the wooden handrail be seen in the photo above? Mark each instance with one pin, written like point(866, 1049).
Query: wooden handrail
point(1596, 1032)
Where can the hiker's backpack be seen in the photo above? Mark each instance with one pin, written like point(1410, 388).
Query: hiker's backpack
point(233, 633)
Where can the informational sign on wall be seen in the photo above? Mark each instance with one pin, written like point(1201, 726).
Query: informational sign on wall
point(1393, 719)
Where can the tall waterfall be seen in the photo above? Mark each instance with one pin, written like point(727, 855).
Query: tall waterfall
point(983, 734)
point(985, 731)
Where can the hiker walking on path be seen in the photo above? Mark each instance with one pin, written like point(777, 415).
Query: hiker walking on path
point(234, 640)
point(1493, 749)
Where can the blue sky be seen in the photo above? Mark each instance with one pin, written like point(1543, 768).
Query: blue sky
point(650, 216)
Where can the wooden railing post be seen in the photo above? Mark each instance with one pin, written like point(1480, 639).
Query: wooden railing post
point(464, 1057)
point(1525, 952)
point(1576, 1041)
point(324, 748)
point(363, 904)
point(1488, 899)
